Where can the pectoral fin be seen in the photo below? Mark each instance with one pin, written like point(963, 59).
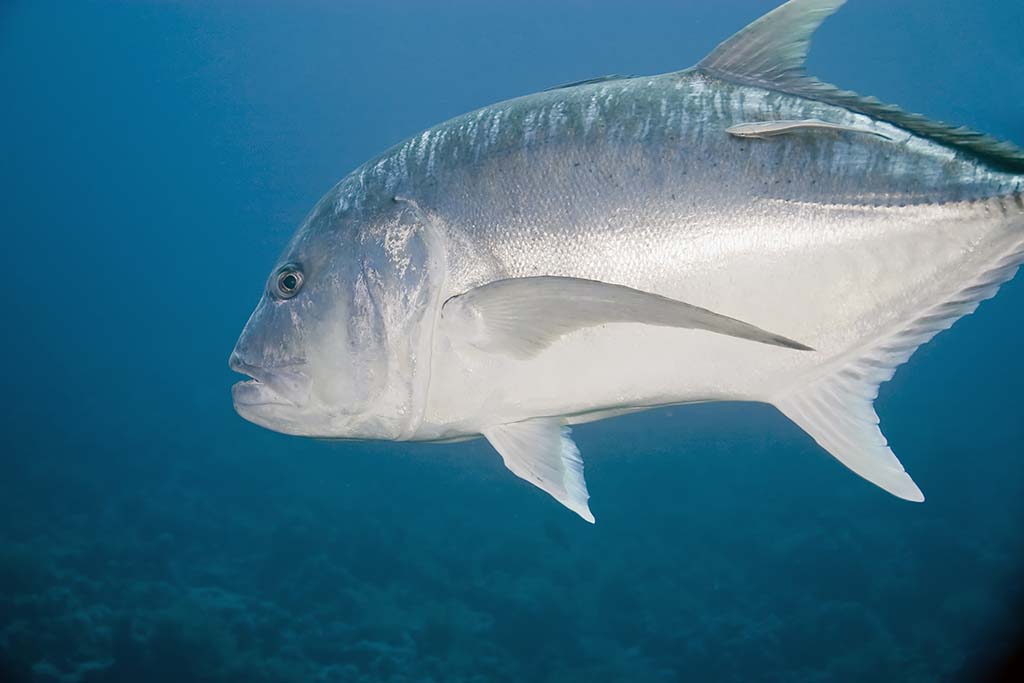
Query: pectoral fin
point(520, 317)
point(769, 129)
point(542, 452)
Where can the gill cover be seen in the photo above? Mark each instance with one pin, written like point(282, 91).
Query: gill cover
point(402, 267)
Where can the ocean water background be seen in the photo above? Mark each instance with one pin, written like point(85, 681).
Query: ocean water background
point(154, 158)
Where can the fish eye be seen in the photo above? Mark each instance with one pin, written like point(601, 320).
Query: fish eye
point(289, 282)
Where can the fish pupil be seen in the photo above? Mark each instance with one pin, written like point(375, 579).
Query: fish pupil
point(289, 282)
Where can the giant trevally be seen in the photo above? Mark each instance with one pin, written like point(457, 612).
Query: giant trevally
point(733, 231)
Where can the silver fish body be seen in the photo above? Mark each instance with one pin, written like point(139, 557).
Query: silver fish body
point(858, 246)
point(828, 240)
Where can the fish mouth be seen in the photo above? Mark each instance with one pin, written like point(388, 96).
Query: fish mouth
point(276, 386)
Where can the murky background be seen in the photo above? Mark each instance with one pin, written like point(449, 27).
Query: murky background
point(154, 159)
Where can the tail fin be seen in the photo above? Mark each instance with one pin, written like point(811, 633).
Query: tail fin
point(836, 408)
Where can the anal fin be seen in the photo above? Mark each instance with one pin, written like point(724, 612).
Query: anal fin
point(542, 452)
point(843, 422)
point(836, 408)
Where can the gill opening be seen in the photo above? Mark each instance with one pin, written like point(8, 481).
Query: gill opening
point(437, 264)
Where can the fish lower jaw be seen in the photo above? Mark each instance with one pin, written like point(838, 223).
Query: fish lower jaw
point(254, 393)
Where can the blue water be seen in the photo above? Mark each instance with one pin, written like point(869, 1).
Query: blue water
point(155, 157)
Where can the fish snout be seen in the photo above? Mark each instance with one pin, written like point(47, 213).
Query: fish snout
point(236, 363)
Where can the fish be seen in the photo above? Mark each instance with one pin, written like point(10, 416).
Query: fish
point(735, 231)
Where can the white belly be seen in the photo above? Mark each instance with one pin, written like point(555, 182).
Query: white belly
point(840, 279)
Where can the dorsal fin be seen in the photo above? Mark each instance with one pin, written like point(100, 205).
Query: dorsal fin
point(770, 53)
point(772, 50)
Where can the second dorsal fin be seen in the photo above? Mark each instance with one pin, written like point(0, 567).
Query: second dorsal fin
point(770, 53)
point(772, 50)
